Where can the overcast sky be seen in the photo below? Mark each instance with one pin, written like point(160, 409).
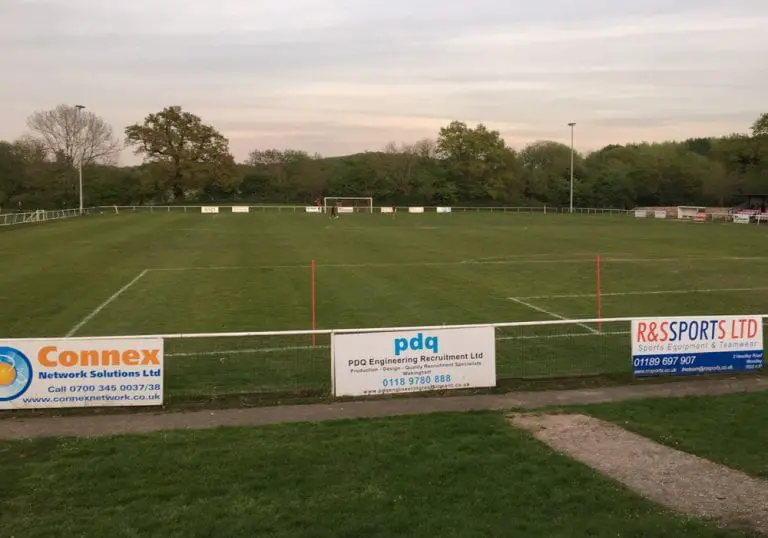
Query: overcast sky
point(341, 76)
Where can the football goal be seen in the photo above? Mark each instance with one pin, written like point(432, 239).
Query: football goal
point(691, 212)
point(348, 204)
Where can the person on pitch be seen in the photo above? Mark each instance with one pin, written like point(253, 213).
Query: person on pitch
point(335, 211)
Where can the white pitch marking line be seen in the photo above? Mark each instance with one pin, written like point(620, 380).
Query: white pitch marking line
point(590, 256)
point(620, 294)
point(518, 261)
point(564, 335)
point(552, 314)
point(363, 265)
point(519, 257)
point(106, 303)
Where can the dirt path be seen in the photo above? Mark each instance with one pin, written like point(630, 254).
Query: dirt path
point(680, 481)
point(101, 425)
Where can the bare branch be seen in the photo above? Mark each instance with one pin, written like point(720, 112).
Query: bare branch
point(426, 147)
point(76, 135)
point(391, 147)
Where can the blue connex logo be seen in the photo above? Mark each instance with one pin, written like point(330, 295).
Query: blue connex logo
point(15, 373)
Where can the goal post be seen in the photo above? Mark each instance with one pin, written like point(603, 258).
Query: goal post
point(348, 204)
point(686, 212)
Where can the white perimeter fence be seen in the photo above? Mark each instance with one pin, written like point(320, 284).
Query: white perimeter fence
point(245, 208)
point(8, 219)
point(40, 215)
point(233, 364)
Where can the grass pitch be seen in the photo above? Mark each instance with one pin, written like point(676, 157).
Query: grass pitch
point(453, 475)
point(141, 273)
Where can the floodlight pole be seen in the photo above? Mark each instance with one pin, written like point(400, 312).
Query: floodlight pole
point(80, 158)
point(571, 125)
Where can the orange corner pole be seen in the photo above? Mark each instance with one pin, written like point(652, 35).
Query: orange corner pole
point(599, 297)
point(314, 321)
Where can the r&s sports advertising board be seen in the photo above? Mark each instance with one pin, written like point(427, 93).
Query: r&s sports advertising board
point(92, 372)
point(368, 364)
point(697, 345)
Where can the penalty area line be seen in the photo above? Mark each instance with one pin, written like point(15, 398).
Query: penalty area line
point(527, 260)
point(649, 292)
point(551, 314)
point(564, 335)
point(106, 303)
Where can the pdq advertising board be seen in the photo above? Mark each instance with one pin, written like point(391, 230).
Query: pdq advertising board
point(92, 372)
point(697, 345)
point(366, 364)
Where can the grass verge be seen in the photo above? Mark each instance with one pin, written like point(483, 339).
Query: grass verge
point(447, 475)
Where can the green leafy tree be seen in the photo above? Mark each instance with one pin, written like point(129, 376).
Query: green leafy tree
point(608, 182)
point(547, 169)
point(479, 163)
point(296, 176)
point(13, 174)
point(760, 127)
point(185, 158)
point(193, 154)
point(43, 182)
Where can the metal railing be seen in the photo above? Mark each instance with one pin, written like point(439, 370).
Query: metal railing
point(234, 364)
point(552, 210)
point(41, 215)
point(376, 209)
point(8, 219)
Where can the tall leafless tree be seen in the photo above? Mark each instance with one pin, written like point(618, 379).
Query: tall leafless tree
point(426, 147)
point(79, 136)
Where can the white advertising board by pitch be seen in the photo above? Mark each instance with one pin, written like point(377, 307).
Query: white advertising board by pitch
point(92, 372)
point(368, 364)
point(209, 209)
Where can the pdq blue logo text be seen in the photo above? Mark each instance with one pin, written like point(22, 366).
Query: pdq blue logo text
point(15, 373)
point(417, 343)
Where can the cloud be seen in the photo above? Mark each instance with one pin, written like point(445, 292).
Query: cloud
point(347, 75)
point(616, 29)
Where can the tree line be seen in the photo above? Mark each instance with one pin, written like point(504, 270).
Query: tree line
point(188, 161)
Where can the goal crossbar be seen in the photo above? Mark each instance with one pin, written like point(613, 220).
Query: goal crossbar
point(349, 203)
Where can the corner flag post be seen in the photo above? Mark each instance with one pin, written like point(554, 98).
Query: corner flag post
point(599, 297)
point(314, 324)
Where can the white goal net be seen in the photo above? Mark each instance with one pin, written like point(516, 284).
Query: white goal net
point(348, 204)
point(690, 212)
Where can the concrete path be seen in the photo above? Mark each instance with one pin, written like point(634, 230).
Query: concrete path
point(101, 425)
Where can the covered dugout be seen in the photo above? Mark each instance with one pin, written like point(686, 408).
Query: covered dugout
point(755, 207)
